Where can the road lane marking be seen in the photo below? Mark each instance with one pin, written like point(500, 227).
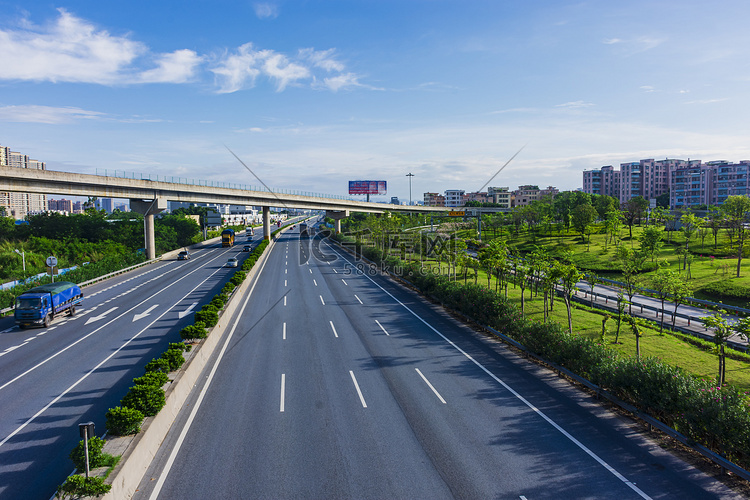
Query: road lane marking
point(526, 402)
point(381, 327)
point(321, 300)
point(178, 444)
point(284, 282)
point(113, 354)
point(316, 283)
point(187, 311)
point(356, 386)
point(335, 271)
point(430, 386)
point(101, 316)
point(342, 279)
point(142, 315)
point(360, 300)
point(334, 329)
point(284, 299)
point(310, 271)
point(283, 332)
point(283, 387)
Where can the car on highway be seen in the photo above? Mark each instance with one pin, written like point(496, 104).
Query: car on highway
point(184, 255)
point(232, 262)
point(246, 248)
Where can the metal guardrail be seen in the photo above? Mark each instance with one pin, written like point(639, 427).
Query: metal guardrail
point(651, 421)
point(121, 174)
point(96, 280)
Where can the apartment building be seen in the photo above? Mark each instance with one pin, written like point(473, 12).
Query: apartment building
point(500, 196)
point(62, 205)
point(18, 205)
point(603, 181)
point(434, 200)
point(455, 198)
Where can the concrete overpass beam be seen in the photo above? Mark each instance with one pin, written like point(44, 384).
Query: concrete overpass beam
point(337, 215)
point(149, 208)
point(267, 223)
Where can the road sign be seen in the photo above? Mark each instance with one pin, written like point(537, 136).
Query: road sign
point(51, 261)
point(456, 214)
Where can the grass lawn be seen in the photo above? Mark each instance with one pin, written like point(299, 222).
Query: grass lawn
point(588, 323)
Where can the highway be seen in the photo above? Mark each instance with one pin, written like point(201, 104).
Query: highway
point(53, 379)
point(334, 384)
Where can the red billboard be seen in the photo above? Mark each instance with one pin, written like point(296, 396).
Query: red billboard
point(367, 187)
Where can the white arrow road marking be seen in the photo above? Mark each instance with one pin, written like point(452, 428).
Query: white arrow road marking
point(144, 313)
point(187, 311)
point(101, 316)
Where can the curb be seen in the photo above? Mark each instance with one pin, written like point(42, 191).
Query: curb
point(142, 448)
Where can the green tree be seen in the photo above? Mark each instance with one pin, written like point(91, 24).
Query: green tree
point(632, 212)
point(690, 224)
point(582, 217)
point(736, 209)
point(723, 328)
point(570, 276)
point(631, 263)
point(663, 281)
point(651, 241)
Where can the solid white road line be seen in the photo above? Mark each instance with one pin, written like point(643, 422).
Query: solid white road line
point(283, 387)
point(430, 385)
point(334, 329)
point(196, 406)
point(356, 386)
point(536, 410)
point(360, 300)
point(381, 327)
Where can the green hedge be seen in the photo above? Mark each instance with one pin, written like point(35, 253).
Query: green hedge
point(717, 417)
point(123, 421)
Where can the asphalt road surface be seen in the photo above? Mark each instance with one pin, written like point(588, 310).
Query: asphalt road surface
point(55, 378)
point(338, 384)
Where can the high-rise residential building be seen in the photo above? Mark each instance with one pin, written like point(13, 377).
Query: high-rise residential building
point(62, 205)
point(18, 205)
point(603, 181)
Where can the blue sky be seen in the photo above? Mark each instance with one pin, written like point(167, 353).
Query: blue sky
point(311, 94)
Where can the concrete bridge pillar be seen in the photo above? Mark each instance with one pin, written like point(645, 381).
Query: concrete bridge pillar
point(267, 223)
point(337, 215)
point(149, 208)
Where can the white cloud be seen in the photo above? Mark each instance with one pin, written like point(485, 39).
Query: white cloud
point(238, 71)
point(177, 67)
point(69, 50)
point(45, 114)
point(612, 41)
point(284, 72)
point(575, 105)
point(265, 10)
point(339, 82)
point(321, 59)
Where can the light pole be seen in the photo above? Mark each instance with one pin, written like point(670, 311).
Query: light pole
point(23, 259)
point(409, 175)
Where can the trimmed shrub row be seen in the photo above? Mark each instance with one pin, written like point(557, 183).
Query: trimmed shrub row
point(717, 417)
point(146, 397)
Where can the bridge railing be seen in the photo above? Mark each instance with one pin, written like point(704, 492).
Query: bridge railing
point(122, 174)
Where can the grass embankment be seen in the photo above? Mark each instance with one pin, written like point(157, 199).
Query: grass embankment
point(588, 323)
point(713, 265)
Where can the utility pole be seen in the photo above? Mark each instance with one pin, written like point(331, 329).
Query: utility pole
point(409, 175)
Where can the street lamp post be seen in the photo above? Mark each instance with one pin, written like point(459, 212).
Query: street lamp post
point(409, 175)
point(23, 259)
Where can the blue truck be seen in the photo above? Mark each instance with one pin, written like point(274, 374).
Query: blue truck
point(40, 305)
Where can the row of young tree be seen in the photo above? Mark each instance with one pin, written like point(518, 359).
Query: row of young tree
point(87, 237)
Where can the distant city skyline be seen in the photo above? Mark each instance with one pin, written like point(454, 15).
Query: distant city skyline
point(314, 94)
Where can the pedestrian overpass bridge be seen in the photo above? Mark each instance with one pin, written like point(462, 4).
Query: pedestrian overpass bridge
point(150, 197)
